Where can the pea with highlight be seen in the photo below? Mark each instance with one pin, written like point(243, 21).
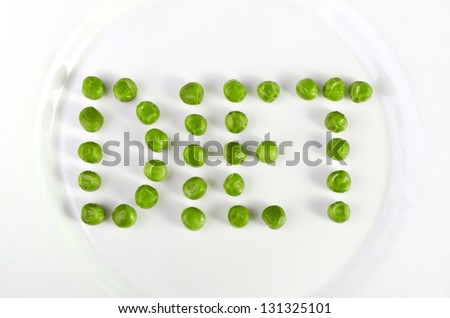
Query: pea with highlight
point(125, 90)
point(339, 212)
point(336, 122)
point(236, 122)
point(93, 214)
point(307, 89)
point(334, 89)
point(338, 149)
point(196, 124)
point(360, 91)
point(90, 152)
point(193, 218)
point(91, 119)
point(268, 91)
point(234, 91)
point(93, 87)
point(155, 170)
point(124, 216)
point(147, 112)
point(192, 93)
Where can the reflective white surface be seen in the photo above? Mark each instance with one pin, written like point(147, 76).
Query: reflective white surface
point(56, 264)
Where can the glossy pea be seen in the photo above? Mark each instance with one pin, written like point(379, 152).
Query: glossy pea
point(339, 212)
point(236, 122)
point(147, 112)
point(124, 216)
point(268, 91)
point(125, 90)
point(338, 149)
point(234, 91)
point(194, 155)
point(267, 152)
point(307, 89)
point(339, 181)
point(192, 93)
point(195, 188)
point(93, 87)
point(155, 170)
point(334, 89)
point(239, 216)
point(157, 140)
point(360, 91)
point(234, 153)
point(336, 122)
point(193, 218)
point(91, 119)
point(93, 214)
point(234, 184)
point(196, 124)
point(146, 196)
point(274, 217)
point(89, 181)
point(90, 152)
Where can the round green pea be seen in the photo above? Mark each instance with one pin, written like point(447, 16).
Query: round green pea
point(268, 91)
point(336, 122)
point(239, 216)
point(93, 214)
point(124, 216)
point(125, 90)
point(90, 152)
point(146, 196)
point(157, 140)
point(338, 149)
point(267, 152)
point(334, 89)
point(234, 184)
point(234, 91)
point(192, 93)
point(91, 119)
point(155, 170)
point(339, 181)
point(360, 91)
point(193, 218)
point(196, 124)
point(147, 112)
point(236, 122)
point(339, 212)
point(89, 181)
point(234, 153)
point(307, 89)
point(194, 155)
point(195, 188)
point(93, 87)
point(274, 217)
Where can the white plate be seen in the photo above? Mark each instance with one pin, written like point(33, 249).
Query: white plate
point(164, 44)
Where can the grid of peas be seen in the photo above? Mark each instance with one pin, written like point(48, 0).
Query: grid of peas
point(146, 196)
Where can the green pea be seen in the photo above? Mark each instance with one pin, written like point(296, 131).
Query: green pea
point(360, 91)
point(93, 214)
point(239, 216)
point(339, 181)
point(234, 185)
point(194, 155)
point(89, 181)
point(274, 217)
point(267, 152)
point(90, 152)
point(236, 122)
point(334, 89)
point(307, 89)
point(339, 212)
point(234, 91)
point(268, 91)
point(192, 93)
point(196, 124)
point(125, 90)
point(234, 153)
point(146, 196)
point(193, 218)
point(155, 170)
point(91, 119)
point(124, 216)
point(338, 149)
point(147, 112)
point(157, 140)
point(195, 188)
point(93, 87)
point(336, 122)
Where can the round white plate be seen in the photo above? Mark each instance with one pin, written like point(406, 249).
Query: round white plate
point(164, 44)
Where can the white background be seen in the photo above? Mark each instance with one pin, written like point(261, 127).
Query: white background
point(34, 261)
